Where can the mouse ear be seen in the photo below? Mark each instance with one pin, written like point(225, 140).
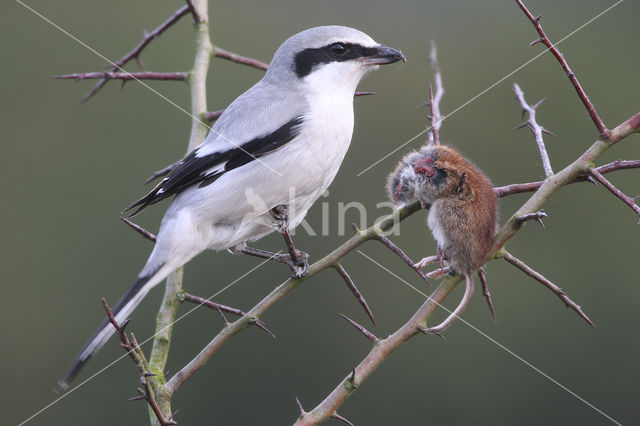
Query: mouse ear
point(460, 185)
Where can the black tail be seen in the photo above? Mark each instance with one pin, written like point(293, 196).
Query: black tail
point(103, 332)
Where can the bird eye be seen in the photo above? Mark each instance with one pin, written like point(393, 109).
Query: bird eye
point(338, 49)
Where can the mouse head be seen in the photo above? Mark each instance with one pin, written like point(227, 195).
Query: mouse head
point(440, 172)
point(401, 183)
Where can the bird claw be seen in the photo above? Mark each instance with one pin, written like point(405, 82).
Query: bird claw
point(299, 264)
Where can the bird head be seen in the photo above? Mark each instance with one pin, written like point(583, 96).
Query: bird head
point(329, 58)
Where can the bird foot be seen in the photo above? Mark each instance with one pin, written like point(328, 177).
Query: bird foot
point(299, 263)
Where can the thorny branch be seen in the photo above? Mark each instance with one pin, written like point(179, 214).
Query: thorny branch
point(135, 353)
point(535, 128)
point(223, 308)
point(630, 201)
point(602, 129)
point(125, 76)
point(135, 52)
point(551, 286)
point(578, 170)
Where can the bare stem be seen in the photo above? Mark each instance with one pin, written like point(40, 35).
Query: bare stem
point(139, 229)
point(239, 59)
point(125, 76)
point(551, 286)
point(535, 128)
point(135, 52)
point(519, 188)
point(602, 129)
point(380, 351)
point(329, 261)
point(170, 302)
point(630, 201)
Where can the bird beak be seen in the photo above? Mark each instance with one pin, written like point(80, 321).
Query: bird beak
point(383, 55)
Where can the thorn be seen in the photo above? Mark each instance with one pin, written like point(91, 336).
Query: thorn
point(398, 251)
point(122, 83)
point(139, 229)
point(352, 379)
point(136, 398)
point(537, 216)
point(352, 286)
point(342, 419)
point(520, 126)
point(537, 19)
point(261, 325)
point(149, 374)
point(139, 61)
point(355, 227)
point(485, 291)
point(548, 132)
point(537, 104)
point(426, 330)
point(174, 414)
point(141, 391)
point(534, 42)
point(226, 322)
point(369, 335)
point(125, 324)
point(592, 180)
point(302, 413)
point(365, 93)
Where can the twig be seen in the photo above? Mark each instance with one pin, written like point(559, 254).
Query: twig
point(169, 306)
point(537, 216)
point(135, 353)
point(135, 53)
point(519, 188)
point(196, 16)
point(398, 251)
point(239, 59)
point(535, 128)
point(602, 129)
point(223, 308)
point(369, 335)
point(551, 286)
point(213, 115)
point(329, 261)
point(139, 229)
point(383, 348)
point(380, 351)
point(352, 286)
point(125, 76)
point(630, 201)
point(435, 118)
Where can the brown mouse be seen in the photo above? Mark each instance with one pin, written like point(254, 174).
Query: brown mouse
point(463, 210)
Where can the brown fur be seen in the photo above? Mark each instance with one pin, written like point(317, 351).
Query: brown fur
point(464, 205)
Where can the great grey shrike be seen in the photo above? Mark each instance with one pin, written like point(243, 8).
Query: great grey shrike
point(266, 160)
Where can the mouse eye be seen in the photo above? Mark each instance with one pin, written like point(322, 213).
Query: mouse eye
point(338, 49)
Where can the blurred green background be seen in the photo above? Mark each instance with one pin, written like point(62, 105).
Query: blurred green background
point(68, 169)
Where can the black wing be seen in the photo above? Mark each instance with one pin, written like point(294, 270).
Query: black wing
point(197, 170)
